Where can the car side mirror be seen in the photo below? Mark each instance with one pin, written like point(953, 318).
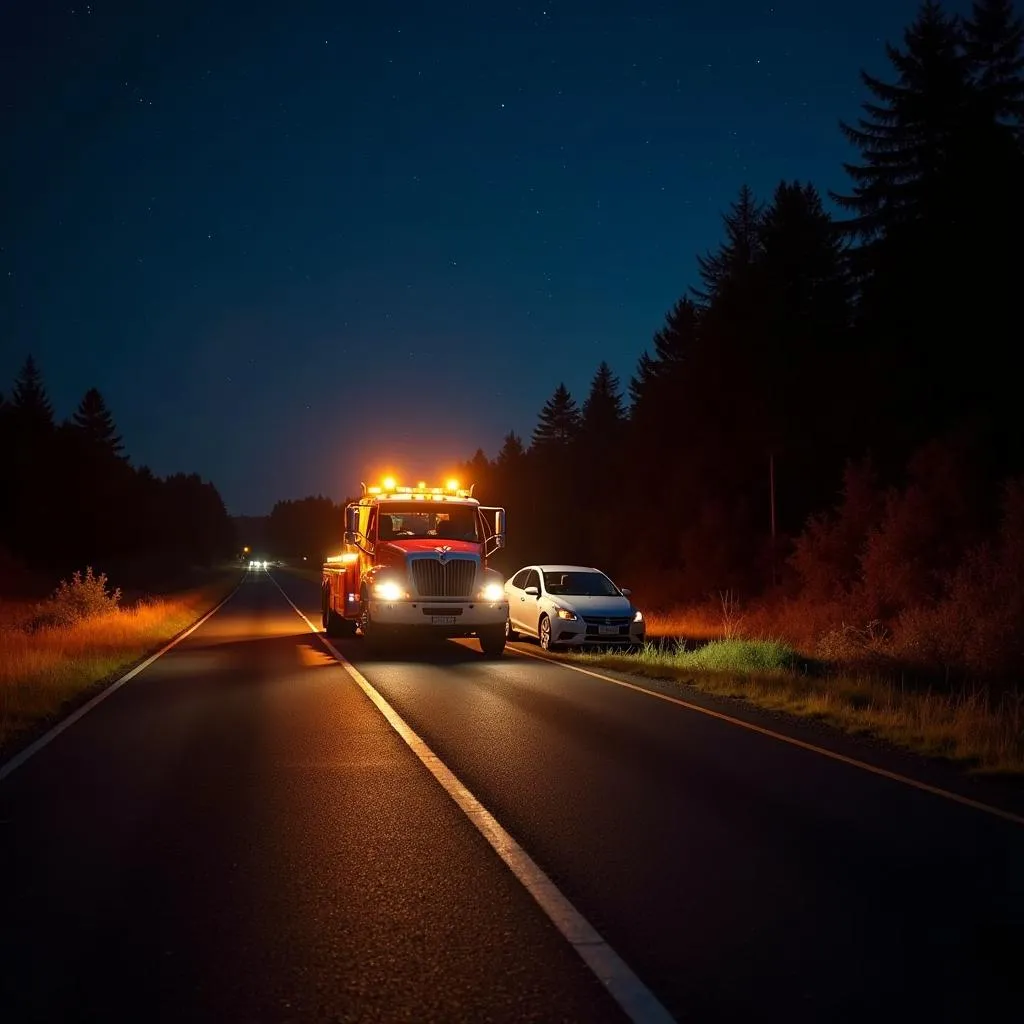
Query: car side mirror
point(625, 591)
point(532, 591)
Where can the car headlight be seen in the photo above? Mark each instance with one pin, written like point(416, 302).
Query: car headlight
point(564, 613)
point(389, 591)
point(638, 616)
point(492, 592)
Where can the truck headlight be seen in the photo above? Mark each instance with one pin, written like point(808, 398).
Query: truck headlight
point(492, 592)
point(637, 616)
point(388, 591)
point(564, 613)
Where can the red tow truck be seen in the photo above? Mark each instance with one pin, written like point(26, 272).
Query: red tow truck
point(415, 562)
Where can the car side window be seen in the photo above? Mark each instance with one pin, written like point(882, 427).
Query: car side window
point(519, 580)
point(532, 580)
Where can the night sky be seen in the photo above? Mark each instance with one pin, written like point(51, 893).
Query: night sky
point(295, 243)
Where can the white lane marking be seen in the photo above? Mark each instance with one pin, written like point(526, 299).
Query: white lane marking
point(636, 999)
point(48, 737)
point(823, 751)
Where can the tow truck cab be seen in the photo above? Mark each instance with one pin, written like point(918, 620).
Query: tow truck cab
point(415, 561)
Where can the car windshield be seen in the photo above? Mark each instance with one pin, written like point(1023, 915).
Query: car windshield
point(423, 521)
point(580, 584)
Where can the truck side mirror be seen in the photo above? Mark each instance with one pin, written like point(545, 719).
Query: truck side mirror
point(350, 537)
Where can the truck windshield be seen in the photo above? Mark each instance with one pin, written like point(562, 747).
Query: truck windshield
point(424, 521)
point(580, 584)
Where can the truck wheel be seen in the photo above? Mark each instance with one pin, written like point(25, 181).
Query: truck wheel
point(371, 633)
point(325, 609)
point(492, 641)
point(336, 625)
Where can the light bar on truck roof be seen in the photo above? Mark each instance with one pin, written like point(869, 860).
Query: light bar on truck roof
point(421, 490)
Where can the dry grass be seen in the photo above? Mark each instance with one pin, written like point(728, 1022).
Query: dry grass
point(43, 669)
point(986, 734)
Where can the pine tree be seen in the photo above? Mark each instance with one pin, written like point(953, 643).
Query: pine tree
point(29, 401)
point(640, 382)
point(994, 44)
point(719, 270)
point(96, 425)
point(674, 344)
point(804, 368)
point(909, 137)
point(558, 422)
point(603, 415)
point(477, 472)
point(511, 451)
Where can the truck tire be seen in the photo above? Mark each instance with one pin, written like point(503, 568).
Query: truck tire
point(371, 633)
point(492, 641)
point(336, 625)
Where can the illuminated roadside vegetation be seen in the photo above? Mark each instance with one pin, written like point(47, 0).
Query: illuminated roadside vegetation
point(52, 653)
point(985, 731)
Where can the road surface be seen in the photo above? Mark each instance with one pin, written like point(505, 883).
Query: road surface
point(239, 834)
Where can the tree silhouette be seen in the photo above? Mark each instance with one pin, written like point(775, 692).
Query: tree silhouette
point(994, 44)
point(71, 498)
point(603, 416)
point(558, 422)
point(511, 454)
point(910, 133)
point(719, 270)
point(96, 424)
point(29, 401)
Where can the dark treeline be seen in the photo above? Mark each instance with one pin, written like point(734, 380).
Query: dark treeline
point(309, 528)
point(883, 338)
point(71, 497)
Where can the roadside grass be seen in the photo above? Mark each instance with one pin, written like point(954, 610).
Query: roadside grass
point(982, 732)
point(45, 664)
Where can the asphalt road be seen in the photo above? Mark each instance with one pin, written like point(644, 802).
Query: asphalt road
point(238, 834)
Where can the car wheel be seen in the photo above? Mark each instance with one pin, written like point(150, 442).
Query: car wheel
point(510, 634)
point(544, 631)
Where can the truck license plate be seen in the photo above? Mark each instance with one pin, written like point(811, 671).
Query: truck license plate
point(608, 630)
point(442, 620)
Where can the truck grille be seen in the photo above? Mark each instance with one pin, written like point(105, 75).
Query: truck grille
point(453, 578)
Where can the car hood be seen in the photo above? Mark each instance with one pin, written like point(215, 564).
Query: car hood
point(597, 606)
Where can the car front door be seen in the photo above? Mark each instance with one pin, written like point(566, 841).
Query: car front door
point(515, 598)
point(530, 604)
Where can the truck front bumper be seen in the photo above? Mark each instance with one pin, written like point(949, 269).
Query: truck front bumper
point(439, 618)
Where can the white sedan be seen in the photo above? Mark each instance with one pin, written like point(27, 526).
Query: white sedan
point(570, 605)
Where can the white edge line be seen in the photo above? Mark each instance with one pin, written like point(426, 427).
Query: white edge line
point(633, 996)
point(906, 780)
point(50, 735)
